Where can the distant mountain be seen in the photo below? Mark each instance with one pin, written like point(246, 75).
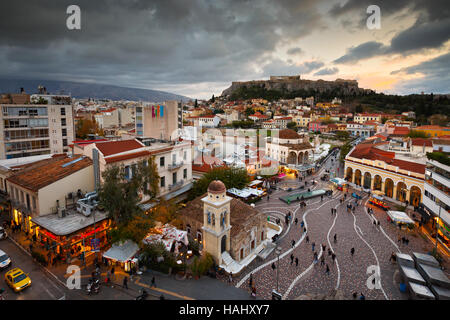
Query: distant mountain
point(89, 90)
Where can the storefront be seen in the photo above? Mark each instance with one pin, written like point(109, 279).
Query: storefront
point(73, 236)
point(123, 254)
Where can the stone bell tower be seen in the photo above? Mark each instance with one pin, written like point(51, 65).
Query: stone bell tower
point(216, 220)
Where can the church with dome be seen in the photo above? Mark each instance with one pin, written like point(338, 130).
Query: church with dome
point(233, 232)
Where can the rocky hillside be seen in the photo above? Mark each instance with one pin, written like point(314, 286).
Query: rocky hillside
point(89, 90)
point(292, 84)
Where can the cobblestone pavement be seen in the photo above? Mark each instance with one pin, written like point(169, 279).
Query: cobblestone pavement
point(373, 246)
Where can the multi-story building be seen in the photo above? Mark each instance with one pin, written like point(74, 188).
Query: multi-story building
point(173, 161)
point(35, 129)
point(434, 130)
point(159, 121)
point(362, 130)
point(437, 198)
point(363, 117)
point(40, 188)
point(368, 166)
point(288, 147)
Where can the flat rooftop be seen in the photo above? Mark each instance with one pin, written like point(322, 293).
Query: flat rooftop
point(71, 223)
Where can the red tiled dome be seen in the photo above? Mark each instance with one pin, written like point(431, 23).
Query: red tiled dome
point(217, 186)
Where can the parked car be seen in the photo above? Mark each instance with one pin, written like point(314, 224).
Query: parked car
point(3, 234)
point(5, 260)
point(17, 279)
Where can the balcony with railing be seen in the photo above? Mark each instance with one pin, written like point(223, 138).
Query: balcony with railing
point(177, 185)
point(175, 165)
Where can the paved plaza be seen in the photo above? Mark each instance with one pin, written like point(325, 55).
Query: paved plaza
point(373, 246)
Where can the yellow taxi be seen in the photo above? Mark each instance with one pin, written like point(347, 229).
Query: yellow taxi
point(17, 279)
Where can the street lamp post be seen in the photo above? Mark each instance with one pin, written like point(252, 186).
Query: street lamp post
point(278, 252)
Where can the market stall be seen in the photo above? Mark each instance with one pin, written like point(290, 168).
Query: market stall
point(399, 217)
point(123, 254)
point(339, 183)
point(246, 193)
point(168, 235)
point(379, 202)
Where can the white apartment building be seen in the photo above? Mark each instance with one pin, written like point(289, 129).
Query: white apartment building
point(36, 129)
point(436, 199)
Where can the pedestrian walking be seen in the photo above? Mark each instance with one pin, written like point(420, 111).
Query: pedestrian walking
point(307, 239)
point(153, 282)
point(302, 224)
point(293, 243)
point(292, 258)
point(352, 251)
point(333, 257)
point(323, 247)
point(315, 258)
point(113, 275)
point(335, 238)
point(327, 271)
point(329, 251)
point(313, 246)
point(378, 223)
point(254, 292)
point(230, 277)
point(322, 260)
point(250, 281)
point(296, 262)
point(362, 297)
point(296, 220)
point(125, 283)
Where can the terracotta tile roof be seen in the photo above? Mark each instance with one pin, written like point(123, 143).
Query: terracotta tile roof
point(299, 146)
point(206, 163)
point(128, 156)
point(49, 171)
point(370, 152)
point(113, 147)
point(421, 141)
point(241, 213)
point(288, 134)
point(400, 131)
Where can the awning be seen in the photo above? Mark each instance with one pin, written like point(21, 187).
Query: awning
point(400, 217)
point(174, 194)
point(122, 252)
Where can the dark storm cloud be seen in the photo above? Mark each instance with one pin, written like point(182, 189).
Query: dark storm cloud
point(436, 76)
point(362, 51)
point(326, 71)
point(431, 29)
point(151, 42)
point(295, 50)
point(279, 67)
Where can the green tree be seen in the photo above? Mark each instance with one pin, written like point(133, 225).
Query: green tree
point(231, 177)
point(292, 125)
point(249, 111)
point(213, 99)
point(345, 149)
point(417, 134)
point(195, 103)
point(147, 177)
point(118, 195)
point(136, 229)
point(342, 135)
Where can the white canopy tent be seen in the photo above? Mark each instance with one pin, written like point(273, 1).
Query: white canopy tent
point(400, 217)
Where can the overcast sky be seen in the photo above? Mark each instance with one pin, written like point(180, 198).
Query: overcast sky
point(198, 47)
